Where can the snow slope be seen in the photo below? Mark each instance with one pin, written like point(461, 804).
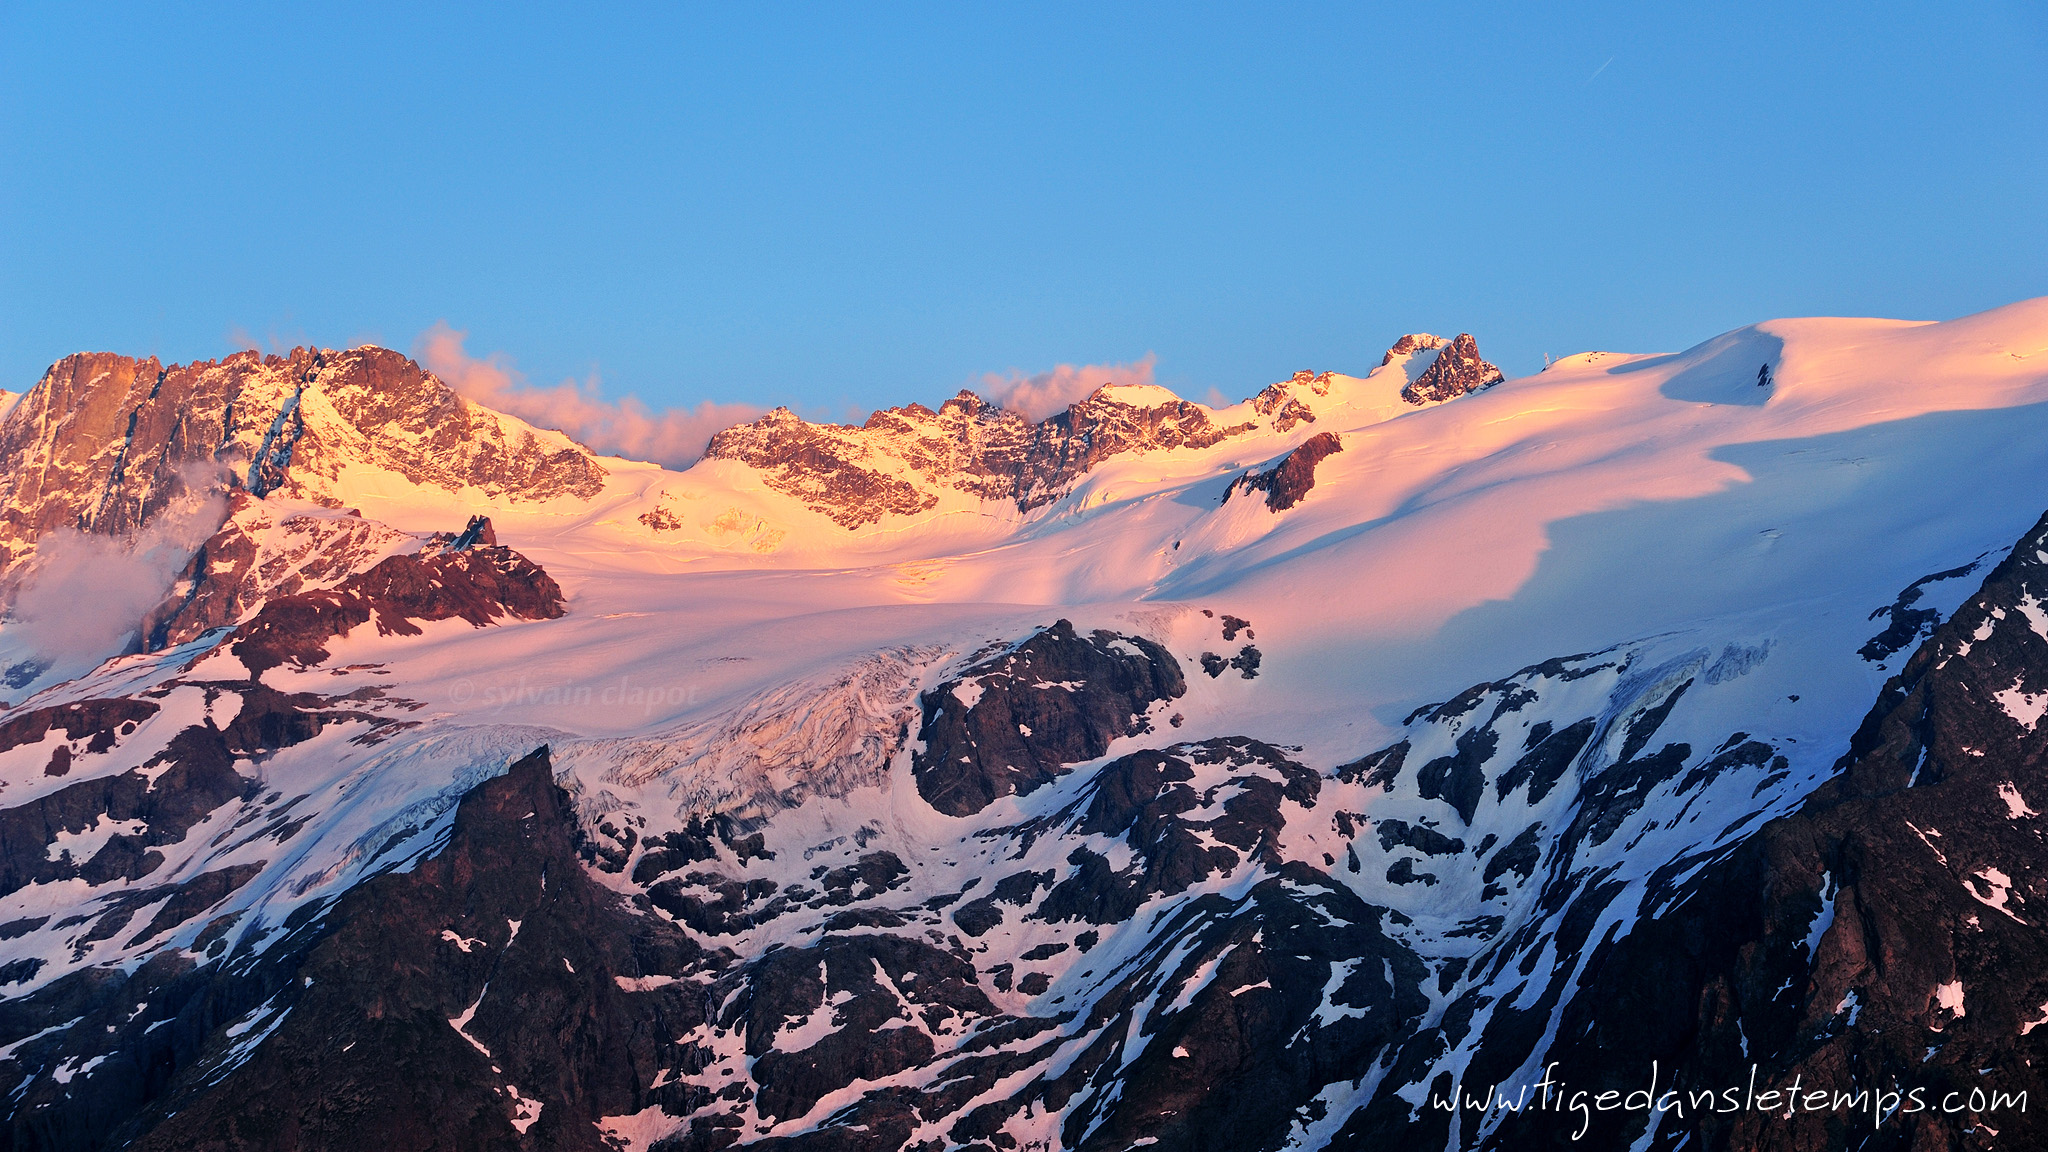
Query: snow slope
point(1712, 536)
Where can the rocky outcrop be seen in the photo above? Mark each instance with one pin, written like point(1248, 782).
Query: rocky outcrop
point(118, 821)
point(1283, 403)
point(87, 1048)
point(1411, 343)
point(1456, 371)
point(1883, 945)
point(266, 549)
point(1288, 481)
point(857, 475)
point(494, 996)
point(1906, 624)
point(902, 461)
point(480, 584)
point(1014, 721)
point(103, 442)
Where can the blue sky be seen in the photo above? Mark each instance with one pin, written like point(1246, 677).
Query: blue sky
point(844, 206)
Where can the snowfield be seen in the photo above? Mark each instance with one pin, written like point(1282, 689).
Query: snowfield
point(1533, 592)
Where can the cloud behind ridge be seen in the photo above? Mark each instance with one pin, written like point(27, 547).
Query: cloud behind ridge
point(1049, 393)
point(673, 438)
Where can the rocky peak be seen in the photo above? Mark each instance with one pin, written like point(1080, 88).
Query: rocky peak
point(1283, 403)
point(102, 441)
point(1456, 371)
point(901, 460)
point(481, 585)
point(266, 549)
point(1412, 342)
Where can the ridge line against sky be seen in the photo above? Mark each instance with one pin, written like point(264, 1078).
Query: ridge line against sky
point(675, 437)
point(840, 210)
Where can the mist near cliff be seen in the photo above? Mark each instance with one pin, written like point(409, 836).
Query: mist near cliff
point(85, 598)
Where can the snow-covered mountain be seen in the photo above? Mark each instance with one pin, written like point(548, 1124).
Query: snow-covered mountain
point(1155, 774)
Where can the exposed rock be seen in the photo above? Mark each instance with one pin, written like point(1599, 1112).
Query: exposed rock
point(392, 1035)
point(1289, 480)
point(1283, 403)
point(875, 1029)
point(1146, 798)
point(854, 475)
point(1235, 1069)
point(101, 441)
point(1884, 938)
point(480, 585)
point(478, 531)
point(1412, 342)
point(1906, 624)
point(1456, 371)
point(160, 801)
point(267, 549)
point(1013, 721)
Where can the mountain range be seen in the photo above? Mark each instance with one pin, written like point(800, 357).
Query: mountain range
point(1639, 754)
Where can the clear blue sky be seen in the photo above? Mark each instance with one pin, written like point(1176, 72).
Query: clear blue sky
point(853, 205)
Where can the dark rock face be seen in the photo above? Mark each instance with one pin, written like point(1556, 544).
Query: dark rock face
point(1904, 623)
point(493, 997)
point(171, 792)
point(1012, 722)
point(869, 1040)
point(1246, 662)
point(485, 999)
point(1288, 481)
point(968, 444)
point(261, 552)
point(103, 443)
point(1168, 954)
point(1233, 1071)
point(1145, 798)
point(133, 1030)
point(1456, 371)
point(1885, 937)
point(1212, 1035)
point(479, 584)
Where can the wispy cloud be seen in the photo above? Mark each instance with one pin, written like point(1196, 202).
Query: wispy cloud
point(275, 341)
point(673, 437)
point(86, 595)
point(1047, 393)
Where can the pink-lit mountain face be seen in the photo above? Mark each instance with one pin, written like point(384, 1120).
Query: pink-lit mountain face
point(380, 770)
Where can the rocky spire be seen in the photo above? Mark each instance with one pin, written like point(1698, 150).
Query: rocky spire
point(1456, 371)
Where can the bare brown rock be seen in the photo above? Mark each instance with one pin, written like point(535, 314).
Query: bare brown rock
point(1456, 371)
point(481, 585)
point(266, 549)
point(1412, 342)
point(850, 474)
point(1288, 481)
point(104, 442)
